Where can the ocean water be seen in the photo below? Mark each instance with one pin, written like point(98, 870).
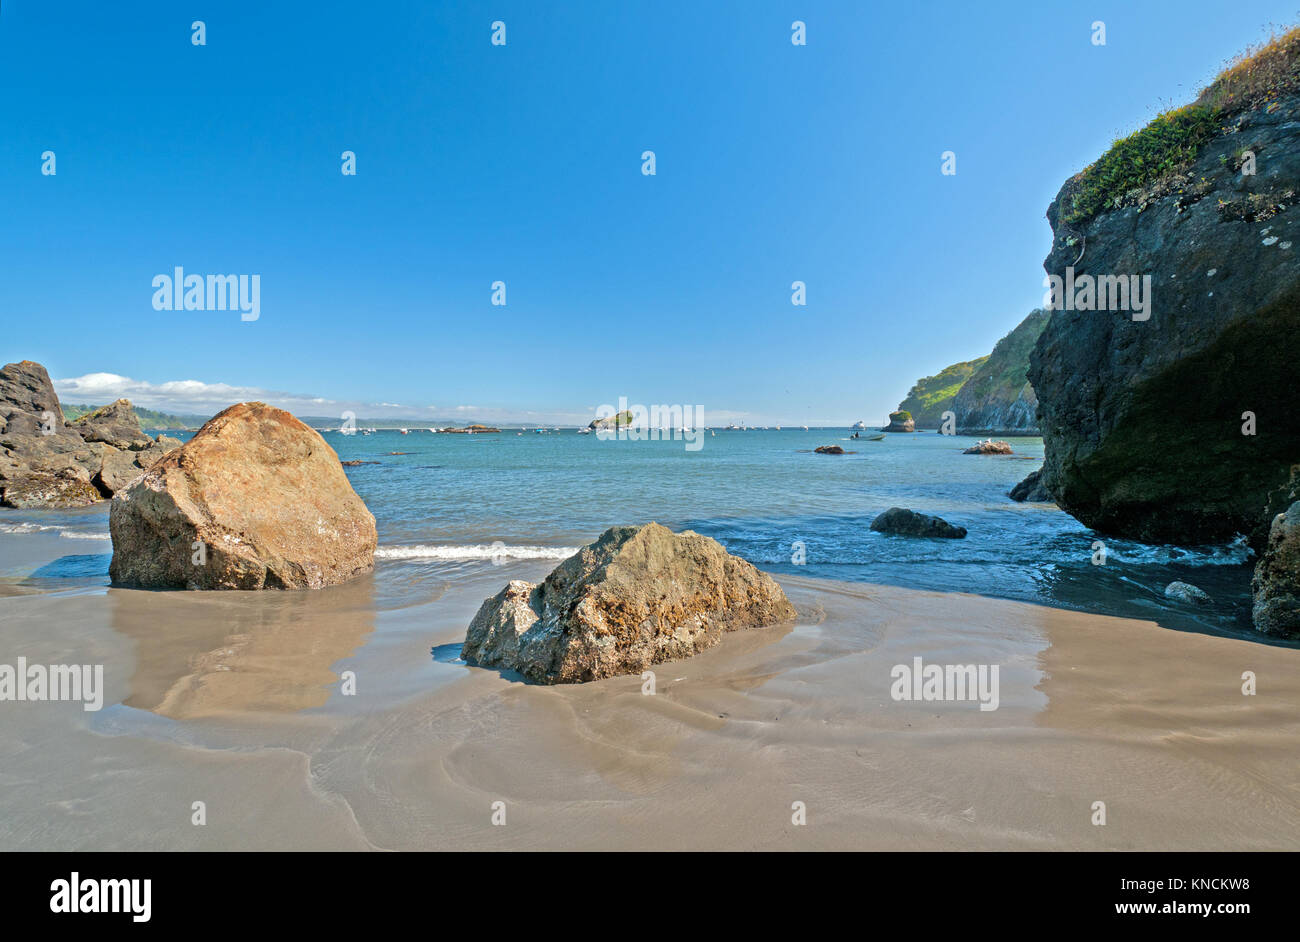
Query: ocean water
point(450, 505)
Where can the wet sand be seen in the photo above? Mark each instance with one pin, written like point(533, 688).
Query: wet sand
point(234, 699)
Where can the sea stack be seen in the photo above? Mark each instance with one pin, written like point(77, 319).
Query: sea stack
point(255, 500)
point(638, 596)
point(900, 422)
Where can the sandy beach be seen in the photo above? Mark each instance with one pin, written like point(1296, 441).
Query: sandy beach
point(234, 699)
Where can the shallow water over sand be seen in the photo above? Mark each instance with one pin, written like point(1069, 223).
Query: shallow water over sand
point(213, 699)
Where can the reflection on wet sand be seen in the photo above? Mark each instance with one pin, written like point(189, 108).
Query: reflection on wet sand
point(210, 653)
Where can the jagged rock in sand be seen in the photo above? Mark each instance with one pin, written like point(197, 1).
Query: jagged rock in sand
point(265, 496)
point(1276, 584)
point(829, 450)
point(989, 448)
point(1186, 592)
point(900, 422)
point(636, 597)
point(46, 462)
point(1144, 421)
point(904, 522)
point(1031, 489)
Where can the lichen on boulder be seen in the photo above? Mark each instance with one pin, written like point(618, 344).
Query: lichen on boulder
point(638, 596)
point(1276, 585)
point(255, 500)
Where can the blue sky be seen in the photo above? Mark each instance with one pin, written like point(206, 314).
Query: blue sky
point(522, 163)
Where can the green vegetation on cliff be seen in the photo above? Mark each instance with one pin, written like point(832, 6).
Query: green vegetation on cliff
point(932, 395)
point(148, 418)
point(1144, 165)
point(617, 420)
point(999, 395)
point(988, 394)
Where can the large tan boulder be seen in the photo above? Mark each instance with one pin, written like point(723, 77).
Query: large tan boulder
point(636, 597)
point(255, 500)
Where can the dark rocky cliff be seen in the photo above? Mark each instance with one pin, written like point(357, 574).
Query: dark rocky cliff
point(1143, 419)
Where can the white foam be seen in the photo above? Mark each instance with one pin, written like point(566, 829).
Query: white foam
point(1227, 554)
point(64, 532)
point(476, 551)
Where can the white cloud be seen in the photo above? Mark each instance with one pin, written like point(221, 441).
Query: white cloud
point(191, 396)
point(185, 395)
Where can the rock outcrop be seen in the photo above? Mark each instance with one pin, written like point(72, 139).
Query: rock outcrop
point(900, 422)
point(1186, 592)
point(999, 399)
point(255, 500)
point(904, 522)
point(1031, 489)
point(634, 598)
point(469, 430)
point(48, 462)
point(1178, 422)
point(617, 420)
point(988, 447)
point(114, 424)
point(829, 450)
point(1276, 585)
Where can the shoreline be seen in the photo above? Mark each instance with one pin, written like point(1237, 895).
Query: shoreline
point(713, 760)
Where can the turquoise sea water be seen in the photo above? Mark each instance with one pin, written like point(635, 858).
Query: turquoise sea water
point(453, 502)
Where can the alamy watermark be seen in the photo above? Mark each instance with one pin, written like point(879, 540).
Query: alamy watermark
point(23, 681)
point(79, 894)
point(953, 682)
point(638, 423)
point(181, 292)
point(1099, 293)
